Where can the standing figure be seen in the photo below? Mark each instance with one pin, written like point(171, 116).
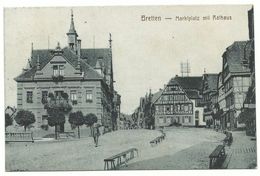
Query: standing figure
point(96, 133)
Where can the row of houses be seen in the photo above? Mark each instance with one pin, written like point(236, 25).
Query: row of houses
point(84, 74)
point(224, 100)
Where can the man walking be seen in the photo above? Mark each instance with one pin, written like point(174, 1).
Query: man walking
point(96, 133)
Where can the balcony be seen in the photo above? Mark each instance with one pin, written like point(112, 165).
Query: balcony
point(57, 78)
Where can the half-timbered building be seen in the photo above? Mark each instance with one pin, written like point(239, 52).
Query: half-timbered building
point(179, 102)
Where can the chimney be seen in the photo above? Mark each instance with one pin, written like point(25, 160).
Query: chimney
point(79, 47)
point(38, 63)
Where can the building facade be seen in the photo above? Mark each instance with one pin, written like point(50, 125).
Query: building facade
point(209, 94)
point(248, 115)
point(179, 102)
point(221, 102)
point(236, 80)
point(85, 75)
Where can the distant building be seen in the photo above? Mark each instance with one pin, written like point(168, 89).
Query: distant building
point(143, 113)
point(209, 94)
point(85, 75)
point(180, 102)
point(221, 102)
point(116, 111)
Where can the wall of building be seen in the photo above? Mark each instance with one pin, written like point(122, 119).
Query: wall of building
point(235, 93)
point(81, 87)
point(166, 120)
point(200, 119)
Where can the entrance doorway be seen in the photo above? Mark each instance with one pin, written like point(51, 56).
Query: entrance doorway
point(196, 123)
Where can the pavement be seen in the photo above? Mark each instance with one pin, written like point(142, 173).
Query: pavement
point(183, 148)
point(242, 152)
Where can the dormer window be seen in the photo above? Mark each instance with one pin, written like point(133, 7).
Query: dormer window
point(58, 70)
point(55, 70)
point(61, 70)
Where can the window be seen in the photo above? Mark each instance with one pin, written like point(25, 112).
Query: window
point(58, 70)
point(89, 96)
point(29, 97)
point(167, 109)
point(157, 108)
point(160, 119)
point(190, 107)
point(58, 95)
point(186, 108)
point(44, 120)
point(73, 97)
point(44, 96)
point(55, 70)
point(171, 108)
point(189, 119)
point(169, 120)
point(61, 69)
point(196, 114)
point(178, 108)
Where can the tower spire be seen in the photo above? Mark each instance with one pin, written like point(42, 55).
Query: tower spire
point(72, 34)
point(72, 27)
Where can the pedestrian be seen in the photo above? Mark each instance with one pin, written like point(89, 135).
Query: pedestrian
point(96, 133)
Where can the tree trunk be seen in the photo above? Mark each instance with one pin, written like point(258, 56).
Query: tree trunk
point(56, 136)
point(25, 128)
point(91, 131)
point(78, 132)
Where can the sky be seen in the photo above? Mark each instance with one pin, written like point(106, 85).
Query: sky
point(146, 54)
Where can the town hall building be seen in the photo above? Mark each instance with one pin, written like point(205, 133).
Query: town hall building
point(85, 75)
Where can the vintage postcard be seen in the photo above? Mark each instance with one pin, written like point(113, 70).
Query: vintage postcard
point(130, 88)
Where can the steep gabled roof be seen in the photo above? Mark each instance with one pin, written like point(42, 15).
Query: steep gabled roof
point(94, 55)
point(192, 82)
point(212, 80)
point(46, 55)
point(237, 54)
point(156, 96)
point(27, 75)
point(192, 94)
point(191, 85)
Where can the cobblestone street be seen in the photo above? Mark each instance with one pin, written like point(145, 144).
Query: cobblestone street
point(242, 151)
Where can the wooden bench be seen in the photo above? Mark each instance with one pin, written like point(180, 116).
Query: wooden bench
point(120, 159)
point(67, 134)
point(158, 139)
point(19, 137)
point(228, 139)
point(217, 157)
